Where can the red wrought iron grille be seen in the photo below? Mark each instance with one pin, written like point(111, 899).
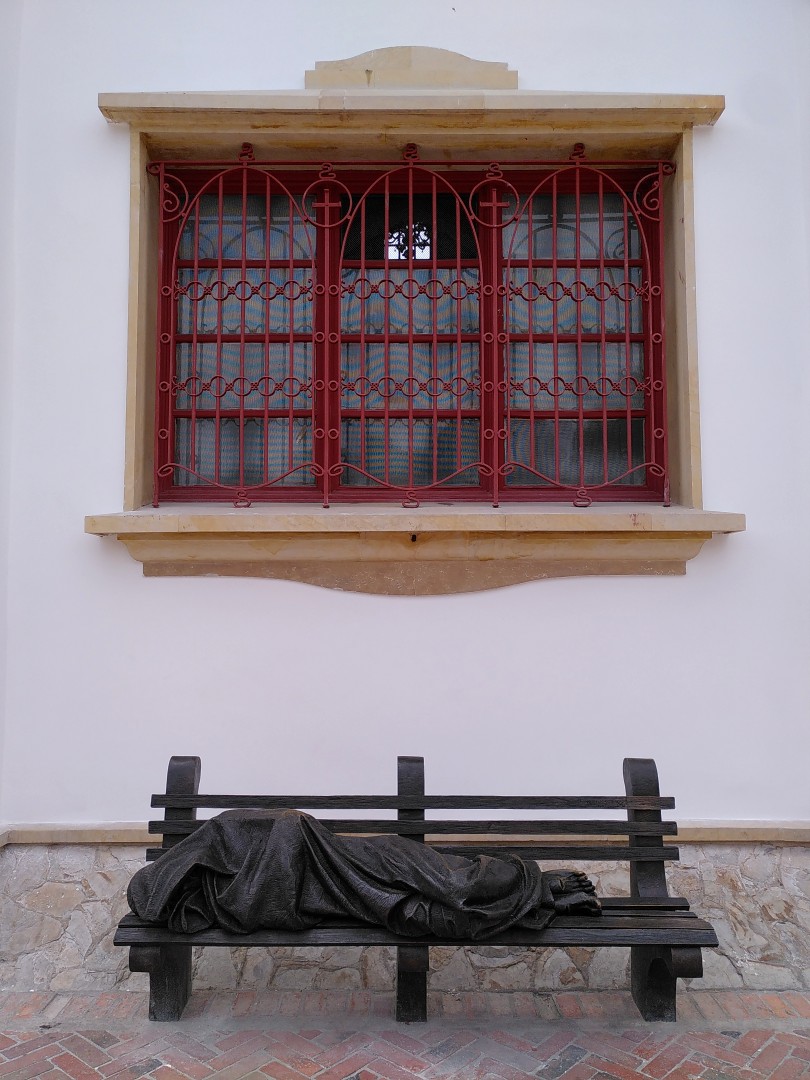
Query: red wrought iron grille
point(410, 331)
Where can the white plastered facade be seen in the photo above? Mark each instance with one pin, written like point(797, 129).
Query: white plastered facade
point(278, 684)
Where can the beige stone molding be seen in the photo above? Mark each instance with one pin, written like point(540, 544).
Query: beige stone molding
point(689, 832)
point(410, 66)
point(440, 120)
point(638, 110)
point(427, 551)
point(108, 832)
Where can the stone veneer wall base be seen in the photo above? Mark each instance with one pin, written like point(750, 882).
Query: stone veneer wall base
point(59, 904)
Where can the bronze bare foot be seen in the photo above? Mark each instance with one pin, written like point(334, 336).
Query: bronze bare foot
point(577, 903)
point(569, 892)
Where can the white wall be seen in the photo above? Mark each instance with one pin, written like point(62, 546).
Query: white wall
point(10, 30)
point(539, 687)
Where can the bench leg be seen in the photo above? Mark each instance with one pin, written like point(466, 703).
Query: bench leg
point(169, 968)
point(654, 972)
point(413, 963)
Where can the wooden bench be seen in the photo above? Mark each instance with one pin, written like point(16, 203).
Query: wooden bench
point(665, 938)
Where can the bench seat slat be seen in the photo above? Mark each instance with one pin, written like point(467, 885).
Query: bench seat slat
point(413, 802)
point(621, 907)
point(670, 903)
point(634, 917)
point(604, 932)
point(530, 827)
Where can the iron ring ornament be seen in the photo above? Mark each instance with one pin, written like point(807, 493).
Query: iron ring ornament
point(219, 387)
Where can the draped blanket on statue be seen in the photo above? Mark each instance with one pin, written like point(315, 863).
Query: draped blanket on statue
point(247, 870)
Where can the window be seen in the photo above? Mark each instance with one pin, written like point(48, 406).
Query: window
point(540, 391)
point(410, 331)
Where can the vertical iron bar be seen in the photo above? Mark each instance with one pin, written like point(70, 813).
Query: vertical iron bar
point(328, 346)
point(578, 253)
point(555, 345)
point(530, 272)
point(195, 364)
point(495, 242)
point(309, 234)
point(162, 350)
point(218, 308)
point(292, 291)
point(363, 344)
point(268, 223)
point(242, 318)
point(649, 324)
point(172, 307)
point(459, 306)
point(410, 273)
point(603, 366)
point(649, 330)
point(386, 330)
point(320, 277)
point(433, 366)
point(502, 278)
point(628, 348)
point(660, 322)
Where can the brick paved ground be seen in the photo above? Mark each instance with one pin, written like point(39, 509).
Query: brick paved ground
point(725, 1035)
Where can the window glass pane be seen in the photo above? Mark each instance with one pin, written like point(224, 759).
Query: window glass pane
point(616, 379)
point(254, 299)
point(270, 451)
point(289, 235)
point(383, 448)
point(553, 450)
point(425, 301)
point(615, 236)
point(387, 227)
point(580, 300)
point(447, 376)
point(278, 374)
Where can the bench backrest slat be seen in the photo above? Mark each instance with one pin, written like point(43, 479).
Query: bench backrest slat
point(413, 802)
point(434, 828)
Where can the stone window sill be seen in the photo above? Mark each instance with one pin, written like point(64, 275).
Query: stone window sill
point(430, 550)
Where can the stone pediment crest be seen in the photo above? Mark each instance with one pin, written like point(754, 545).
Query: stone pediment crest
point(410, 66)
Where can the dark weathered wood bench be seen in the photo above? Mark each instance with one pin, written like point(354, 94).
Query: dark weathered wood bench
point(665, 938)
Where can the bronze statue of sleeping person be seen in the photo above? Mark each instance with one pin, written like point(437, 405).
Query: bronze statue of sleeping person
point(248, 870)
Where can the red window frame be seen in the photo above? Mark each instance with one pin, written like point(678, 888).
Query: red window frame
point(544, 415)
